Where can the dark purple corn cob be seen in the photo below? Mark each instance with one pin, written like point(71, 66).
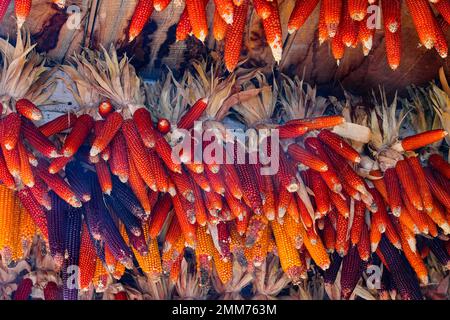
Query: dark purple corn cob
point(352, 269)
point(224, 240)
point(115, 207)
point(438, 249)
point(51, 291)
point(78, 181)
point(387, 285)
point(23, 289)
point(125, 195)
point(115, 242)
point(73, 240)
point(95, 209)
point(56, 222)
point(330, 274)
point(403, 276)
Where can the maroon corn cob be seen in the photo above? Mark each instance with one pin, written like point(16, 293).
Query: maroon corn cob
point(352, 268)
point(23, 289)
point(51, 291)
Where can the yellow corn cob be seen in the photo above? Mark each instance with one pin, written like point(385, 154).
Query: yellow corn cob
point(224, 269)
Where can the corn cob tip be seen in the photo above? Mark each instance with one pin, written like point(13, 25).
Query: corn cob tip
point(94, 151)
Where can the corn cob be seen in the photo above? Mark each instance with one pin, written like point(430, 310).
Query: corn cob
point(233, 183)
point(56, 221)
point(352, 268)
point(197, 15)
point(394, 195)
point(12, 160)
point(419, 217)
point(4, 4)
point(58, 185)
point(358, 221)
point(156, 166)
point(213, 203)
point(22, 9)
point(420, 140)
point(291, 131)
point(28, 109)
point(51, 291)
point(391, 233)
point(104, 136)
point(223, 239)
point(322, 26)
point(219, 27)
point(438, 163)
point(332, 10)
point(72, 256)
point(138, 186)
point(366, 35)
point(321, 196)
point(285, 175)
point(302, 10)
point(58, 164)
point(10, 129)
point(336, 143)
point(262, 8)
point(141, 16)
point(143, 121)
point(348, 27)
point(364, 245)
point(160, 214)
point(79, 183)
point(138, 153)
point(9, 222)
point(437, 190)
point(331, 273)
point(201, 215)
point(200, 180)
point(338, 46)
point(183, 184)
point(251, 195)
point(26, 173)
point(40, 193)
point(131, 223)
point(342, 243)
point(437, 247)
point(317, 123)
point(357, 9)
point(223, 269)
point(203, 255)
point(405, 175)
point(77, 136)
point(420, 179)
point(329, 235)
point(423, 20)
point(160, 5)
point(306, 158)
point(87, 260)
point(225, 9)
point(5, 176)
point(315, 248)
point(340, 203)
point(234, 36)
point(187, 227)
point(443, 7)
point(119, 162)
point(392, 15)
point(164, 151)
point(24, 288)
point(193, 114)
point(184, 28)
point(126, 197)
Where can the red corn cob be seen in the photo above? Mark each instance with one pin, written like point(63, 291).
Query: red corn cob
point(78, 135)
point(357, 9)
point(186, 226)
point(25, 168)
point(380, 215)
point(392, 15)
point(164, 151)
point(340, 204)
point(231, 177)
point(405, 175)
point(285, 175)
point(119, 158)
point(32, 159)
point(302, 10)
point(216, 181)
point(9, 129)
point(193, 114)
point(141, 16)
point(104, 176)
point(293, 212)
point(143, 121)
point(213, 202)
point(197, 15)
point(393, 48)
point(306, 158)
point(365, 35)
point(40, 193)
point(4, 4)
point(184, 27)
point(24, 288)
point(58, 164)
point(437, 190)
point(348, 27)
point(28, 109)
point(5, 176)
point(421, 181)
point(358, 221)
point(201, 181)
point(156, 166)
point(38, 141)
point(58, 185)
point(322, 26)
point(419, 217)
point(34, 209)
point(183, 184)
point(342, 243)
point(363, 245)
point(201, 214)
point(291, 131)
point(305, 217)
point(138, 153)
point(234, 36)
point(423, 18)
point(332, 10)
point(12, 160)
point(51, 291)
point(392, 234)
point(394, 194)
point(439, 164)
point(161, 211)
point(438, 216)
point(269, 206)
point(138, 186)
point(329, 235)
point(111, 126)
point(219, 27)
point(225, 9)
point(22, 9)
point(88, 258)
point(321, 196)
point(338, 46)
point(341, 147)
point(251, 195)
point(262, 8)
point(318, 122)
point(160, 5)
point(443, 7)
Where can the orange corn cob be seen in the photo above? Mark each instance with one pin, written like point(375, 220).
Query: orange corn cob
point(358, 221)
point(341, 147)
point(374, 237)
point(119, 158)
point(12, 160)
point(224, 269)
point(5, 176)
point(160, 5)
point(219, 27)
point(197, 15)
point(322, 26)
point(421, 181)
point(110, 127)
point(172, 234)
point(160, 213)
point(342, 243)
point(315, 249)
point(213, 202)
point(262, 8)
point(22, 9)
point(348, 27)
point(357, 9)
point(338, 46)
point(438, 217)
point(157, 168)
point(88, 258)
point(225, 9)
point(184, 27)
point(329, 235)
point(302, 10)
point(423, 18)
point(78, 135)
point(416, 263)
point(332, 10)
point(293, 231)
point(438, 163)
point(138, 186)
point(379, 183)
point(394, 194)
point(292, 130)
point(321, 196)
point(26, 174)
point(392, 15)
point(9, 130)
point(141, 16)
point(138, 153)
point(259, 250)
point(293, 211)
point(104, 176)
point(392, 234)
point(28, 109)
point(393, 48)
point(58, 185)
point(269, 198)
point(201, 215)
point(406, 177)
point(419, 217)
point(365, 35)
point(363, 245)
point(58, 164)
point(143, 121)
point(306, 158)
point(437, 190)
point(234, 36)
point(305, 217)
point(186, 226)
point(237, 3)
